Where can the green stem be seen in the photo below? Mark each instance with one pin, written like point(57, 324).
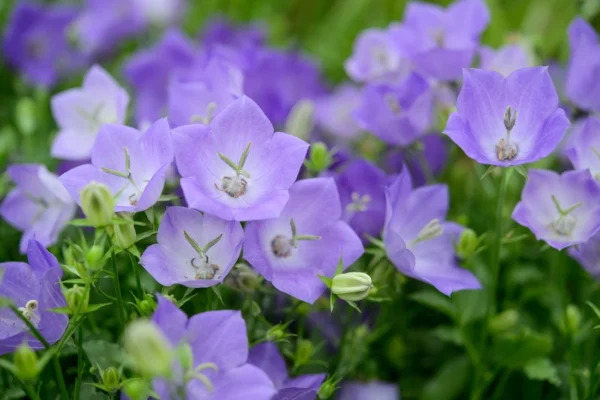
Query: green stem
point(80, 362)
point(136, 274)
point(120, 312)
point(31, 392)
point(495, 263)
point(57, 368)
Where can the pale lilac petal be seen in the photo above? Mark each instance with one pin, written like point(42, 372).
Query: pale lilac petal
point(170, 319)
point(267, 357)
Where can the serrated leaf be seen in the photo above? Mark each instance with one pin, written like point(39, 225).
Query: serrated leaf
point(434, 300)
point(542, 369)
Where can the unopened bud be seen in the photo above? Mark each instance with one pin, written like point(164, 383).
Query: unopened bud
point(304, 352)
point(300, 120)
point(185, 356)
point(148, 349)
point(111, 379)
point(276, 333)
point(320, 159)
point(328, 388)
point(25, 115)
point(77, 299)
point(146, 306)
point(243, 278)
point(26, 363)
point(97, 204)
point(351, 286)
point(467, 244)
point(504, 321)
point(124, 233)
point(136, 389)
point(94, 258)
point(573, 318)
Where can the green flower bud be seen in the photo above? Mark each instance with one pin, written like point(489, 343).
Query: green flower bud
point(136, 389)
point(573, 318)
point(320, 159)
point(467, 244)
point(351, 286)
point(26, 363)
point(185, 356)
point(148, 349)
point(504, 321)
point(328, 388)
point(94, 258)
point(300, 121)
point(304, 352)
point(146, 306)
point(77, 299)
point(25, 115)
point(243, 278)
point(111, 379)
point(124, 234)
point(97, 204)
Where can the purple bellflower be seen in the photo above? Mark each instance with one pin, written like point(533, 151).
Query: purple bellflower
point(237, 168)
point(219, 346)
point(584, 151)
point(80, 113)
point(333, 112)
point(507, 121)
point(505, 60)
point(193, 250)
point(399, 114)
point(361, 189)
point(582, 86)
point(306, 240)
point(198, 95)
point(588, 255)
point(131, 163)
point(368, 391)
point(447, 39)
point(221, 32)
point(267, 357)
point(418, 240)
point(36, 42)
point(34, 289)
point(39, 206)
point(563, 210)
point(149, 72)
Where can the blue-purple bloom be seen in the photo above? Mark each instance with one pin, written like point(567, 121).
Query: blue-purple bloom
point(588, 255)
point(267, 357)
point(238, 168)
point(397, 114)
point(34, 289)
point(563, 210)
point(132, 164)
point(418, 239)
point(355, 390)
point(505, 60)
point(361, 190)
point(39, 206)
point(307, 239)
point(584, 147)
point(193, 250)
point(582, 86)
point(36, 42)
point(80, 112)
point(333, 112)
point(219, 346)
point(446, 39)
point(507, 121)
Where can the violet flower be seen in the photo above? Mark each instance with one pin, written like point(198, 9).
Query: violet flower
point(333, 112)
point(193, 250)
point(161, 12)
point(237, 168)
point(563, 210)
point(507, 121)
point(131, 163)
point(149, 71)
point(361, 190)
point(447, 39)
point(221, 32)
point(418, 240)
point(80, 112)
point(306, 240)
point(36, 42)
point(35, 289)
point(219, 346)
point(588, 255)
point(505, 60)
point(584, 151)
point(582, 87)
point(39, 205)
point(399, 114)
point(267, 357)
point(355, 390)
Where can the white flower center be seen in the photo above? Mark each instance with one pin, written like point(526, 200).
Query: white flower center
point(359, 203)
point(29, 312)
point(505, 149)
point(430, 231)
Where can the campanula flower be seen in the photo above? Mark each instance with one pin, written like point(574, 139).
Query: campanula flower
point(132, 164)
point(36, 42)
point(193, 250)
point(333, 112)
point(221, 32)
point(396, 114)
point(507, 121)
point(588, 255)
point(237, 168)
point(447, 39)
point(217, 344)
point(80, 112)
point(267, 357)
point(39, 205)
point(505, 60)
point(418, 239)
point(355, 390)
point(430, 158)
point(34, 288)
point(582, 87)
point(563, 210)
point(307, 239)
point(149, 72)
point(584, 151)
point(161, 12)
point(361, 189)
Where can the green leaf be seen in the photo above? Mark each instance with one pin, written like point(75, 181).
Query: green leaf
point(470, 305)
point(60, 310)
point(522, 170)
point(448, 334)
point(434, 300)
point(96, 307)
point(353, 305)
point(517, 350)
point(103, 353)
point(217, 290)
point(144, 235)
point(594, 308)
point(327, 281)
point(449, 382)
point(542, 369)
point(491, 169)
point(168, 197)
